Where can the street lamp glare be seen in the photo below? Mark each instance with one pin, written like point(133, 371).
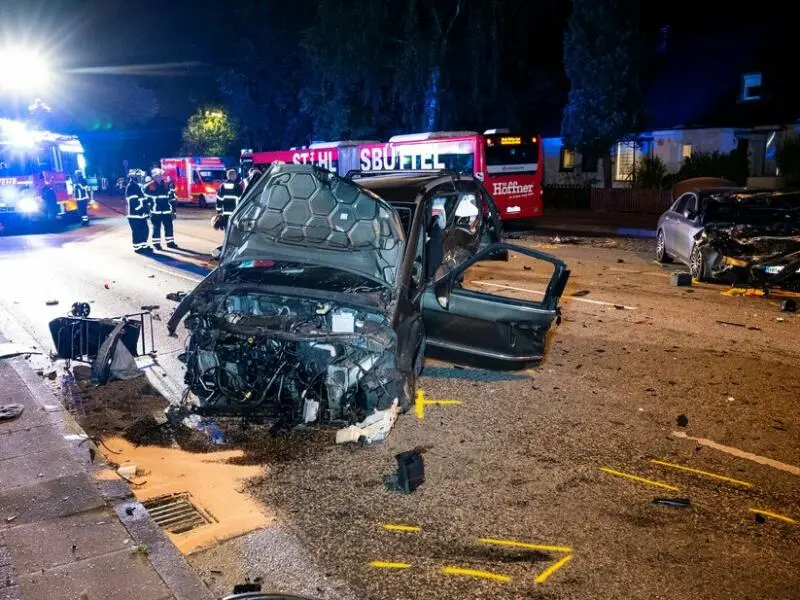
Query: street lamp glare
point(23, 70)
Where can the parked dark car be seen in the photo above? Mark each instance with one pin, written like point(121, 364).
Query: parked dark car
point(330, 293)
point(733, 235)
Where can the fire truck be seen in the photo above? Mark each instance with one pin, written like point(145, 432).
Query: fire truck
point(35, 174)
point(508, 164)
point(196, 178)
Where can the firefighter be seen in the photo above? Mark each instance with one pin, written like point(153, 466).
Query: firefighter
point(252, 176)
point(81, 191)
point(138, 211)
point(228, 196)
point(163, 211)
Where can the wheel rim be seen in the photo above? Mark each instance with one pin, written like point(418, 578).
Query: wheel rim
point(697, 263)
point(660, 245)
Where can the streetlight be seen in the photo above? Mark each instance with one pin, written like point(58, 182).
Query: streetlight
point(23, 70)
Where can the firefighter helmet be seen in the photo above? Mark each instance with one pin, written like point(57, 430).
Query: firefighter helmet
point(136, 174)
point(156, 171)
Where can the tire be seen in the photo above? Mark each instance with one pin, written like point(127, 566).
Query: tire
point(697, 264)
point(201, 201)
point(661, 248)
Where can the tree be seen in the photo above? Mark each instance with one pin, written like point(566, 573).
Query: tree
point(603, 61)
point(209, 132)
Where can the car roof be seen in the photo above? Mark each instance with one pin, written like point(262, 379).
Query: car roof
point(403, 188)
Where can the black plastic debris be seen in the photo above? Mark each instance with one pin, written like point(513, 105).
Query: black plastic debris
point(150, 307)
point(176, 296)
point(760, 518)
point(682, 420)
point(580, 293)
point(80, 309)
point(681, 279)
point(789, 305)
point(673, 502)
point(410, 473)
point(51, 302)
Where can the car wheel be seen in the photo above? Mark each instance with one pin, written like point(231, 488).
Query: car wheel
point(661, 248)
point(201, 201)
point(697, 263)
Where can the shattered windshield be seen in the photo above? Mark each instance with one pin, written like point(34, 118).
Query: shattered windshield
point(303, 214)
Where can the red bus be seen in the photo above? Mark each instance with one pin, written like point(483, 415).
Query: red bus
point(509, 165)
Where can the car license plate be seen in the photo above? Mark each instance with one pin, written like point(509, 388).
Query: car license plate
point(774, 270)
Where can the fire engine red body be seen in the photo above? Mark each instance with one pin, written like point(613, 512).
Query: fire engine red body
point(196, 178)
point(509, 165)
point(35, 173)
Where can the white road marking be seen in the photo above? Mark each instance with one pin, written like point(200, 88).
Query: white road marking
point(176, 274)
point(538, 293)
point(762, 460)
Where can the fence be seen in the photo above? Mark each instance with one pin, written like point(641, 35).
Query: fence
point(567, 197)
point(614, 200)
point(623, 200)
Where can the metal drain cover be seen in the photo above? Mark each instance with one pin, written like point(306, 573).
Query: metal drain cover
point(176, 513)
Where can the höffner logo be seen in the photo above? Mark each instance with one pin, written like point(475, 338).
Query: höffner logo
point(510, 188)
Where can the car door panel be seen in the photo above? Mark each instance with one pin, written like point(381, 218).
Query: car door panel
point(483, 330)
point(685, 228)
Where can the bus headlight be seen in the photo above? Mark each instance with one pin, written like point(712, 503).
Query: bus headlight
point(28, 205)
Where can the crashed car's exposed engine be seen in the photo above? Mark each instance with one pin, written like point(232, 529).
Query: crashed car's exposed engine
point(296, 360)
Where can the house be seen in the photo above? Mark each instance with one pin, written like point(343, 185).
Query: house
point(712, 91)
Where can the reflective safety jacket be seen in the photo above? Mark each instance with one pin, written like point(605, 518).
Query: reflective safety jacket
point(138, 203)
point(228, 196)
point(162, 197)
point(80, 191)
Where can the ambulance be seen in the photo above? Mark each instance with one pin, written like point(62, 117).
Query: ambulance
point(196, 178)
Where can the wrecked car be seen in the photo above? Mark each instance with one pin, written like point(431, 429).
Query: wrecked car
point(734, 235)
point(330, 293)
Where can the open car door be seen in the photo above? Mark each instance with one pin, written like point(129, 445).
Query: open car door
point(469, 326)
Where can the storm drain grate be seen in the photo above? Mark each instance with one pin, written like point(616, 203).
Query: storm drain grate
point(176, 513)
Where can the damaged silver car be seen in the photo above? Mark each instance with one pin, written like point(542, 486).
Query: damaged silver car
point(322, 307)
point(734, 235)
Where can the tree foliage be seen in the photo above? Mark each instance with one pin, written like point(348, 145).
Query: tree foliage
point(209, 132)
point(788, 158)
point(603, 62)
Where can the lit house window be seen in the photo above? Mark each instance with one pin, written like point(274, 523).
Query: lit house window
point(625, 161)
point(686, 151)
point(567, 160)
point(751, 86)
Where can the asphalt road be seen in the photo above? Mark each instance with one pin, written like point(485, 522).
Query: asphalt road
point(538, 465)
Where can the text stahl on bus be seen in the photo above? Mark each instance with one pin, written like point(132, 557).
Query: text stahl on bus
point(508, 164)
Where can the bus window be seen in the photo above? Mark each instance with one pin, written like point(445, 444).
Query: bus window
point(521, 158)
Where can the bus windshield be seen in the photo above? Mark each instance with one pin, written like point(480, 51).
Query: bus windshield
point(518, 158)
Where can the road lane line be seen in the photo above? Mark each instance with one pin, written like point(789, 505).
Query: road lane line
point(762, 460)
point(475, 573)
point(766, 513)
point(176, 274)
point(404, 528)
point(378, 564)
point(523, 545)
point(538, 293)
point(658, 484)
point(544, 575)
point(703, 473)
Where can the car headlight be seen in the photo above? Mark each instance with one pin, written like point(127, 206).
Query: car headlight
point(28, 205)
point(210, 189)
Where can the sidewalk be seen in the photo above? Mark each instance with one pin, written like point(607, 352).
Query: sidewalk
point(587, 222)
point(64, 534)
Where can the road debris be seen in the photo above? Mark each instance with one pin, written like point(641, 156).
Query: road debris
point(580, 293)
point(9, 412)
point(673, 502)
point(410, 473)
point(682, 420)
point(789, 305)
point(742, 325)
point(371, 430)
point(80, 309)
point(10, 350)
point(681, 279)
point(52, 303)
point(176, 296)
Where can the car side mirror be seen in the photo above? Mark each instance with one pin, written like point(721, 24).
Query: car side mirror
point(442, 290)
